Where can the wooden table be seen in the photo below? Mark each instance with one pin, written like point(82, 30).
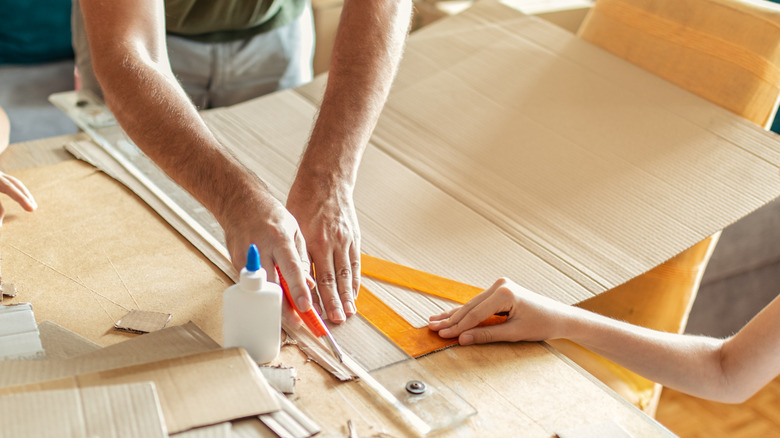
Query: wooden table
point(83, 271)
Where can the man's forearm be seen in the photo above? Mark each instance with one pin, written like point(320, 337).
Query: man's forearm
point(166, 126)
point(368, 48)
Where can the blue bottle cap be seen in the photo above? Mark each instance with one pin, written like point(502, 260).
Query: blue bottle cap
point(253, 259)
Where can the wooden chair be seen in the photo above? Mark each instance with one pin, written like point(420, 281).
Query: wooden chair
point(726, 51)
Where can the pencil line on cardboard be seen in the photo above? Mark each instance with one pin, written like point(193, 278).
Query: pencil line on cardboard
point(123, 282)
point(78, 282)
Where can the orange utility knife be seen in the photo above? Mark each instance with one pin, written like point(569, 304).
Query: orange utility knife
point(312, 319)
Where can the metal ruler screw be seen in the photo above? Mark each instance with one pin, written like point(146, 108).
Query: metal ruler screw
point(415, 387)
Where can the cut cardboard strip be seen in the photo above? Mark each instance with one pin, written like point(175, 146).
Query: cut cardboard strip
point(163, 344)
point(289, 421)
point(140, 321)
point(208, 240)
point(131, 411)
point(233, 387)
point(19, 338)
point(313, 347)
point(61, 343)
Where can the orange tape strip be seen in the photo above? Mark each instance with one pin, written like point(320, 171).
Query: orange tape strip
point(414, 341)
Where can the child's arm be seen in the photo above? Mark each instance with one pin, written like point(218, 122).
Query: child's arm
point(728, 370)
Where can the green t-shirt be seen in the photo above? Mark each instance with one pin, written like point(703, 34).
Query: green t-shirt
point(228, 20)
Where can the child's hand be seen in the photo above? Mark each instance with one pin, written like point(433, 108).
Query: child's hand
point(530, 317)
point(17, 191)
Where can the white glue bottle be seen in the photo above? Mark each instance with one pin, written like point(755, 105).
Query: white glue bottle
point(252, 312)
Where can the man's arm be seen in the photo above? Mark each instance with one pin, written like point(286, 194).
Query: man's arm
point(725, 370)
point(365, 57)
point(127, 43)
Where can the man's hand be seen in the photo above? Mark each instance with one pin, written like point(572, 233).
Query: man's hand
point(18, 192)
point(326, 215)
point(530, 317)
point(262, 220)
point(366, 52)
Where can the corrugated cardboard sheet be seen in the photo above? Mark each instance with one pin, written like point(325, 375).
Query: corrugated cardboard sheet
point(509, 147)
point(131, 411)
point(195, 390)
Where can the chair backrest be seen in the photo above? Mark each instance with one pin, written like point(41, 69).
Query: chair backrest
point(726, 51)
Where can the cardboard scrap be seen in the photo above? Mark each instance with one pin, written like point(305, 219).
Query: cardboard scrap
point(19, 337)
point(163, 344)
point(196, 390)
point(141, 321)
point(280, 378)
point(8, 290)
point(131, 411)
point(61, 343)
point(289, 421)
